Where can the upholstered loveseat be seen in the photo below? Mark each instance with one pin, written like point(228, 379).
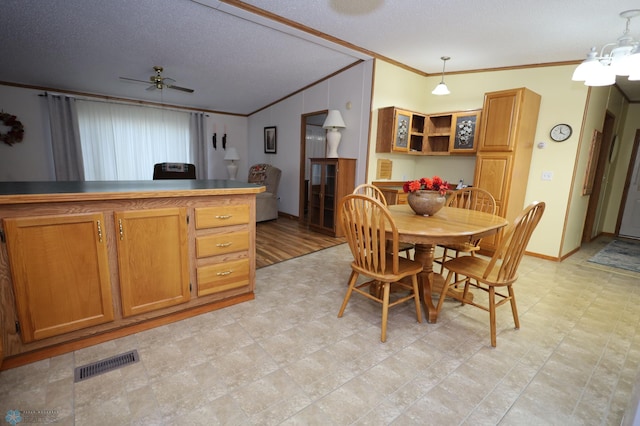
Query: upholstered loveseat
point(266, 202)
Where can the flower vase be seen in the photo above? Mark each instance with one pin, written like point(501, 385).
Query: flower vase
point(426, 203)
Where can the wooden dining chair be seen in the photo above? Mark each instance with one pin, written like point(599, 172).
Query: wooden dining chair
point(471, 199)
point(499, 271)
point(367, 223)
point(375, 192)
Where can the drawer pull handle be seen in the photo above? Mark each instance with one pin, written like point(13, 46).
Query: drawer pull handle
point(223, 244)
point(121, 230)
point(223, 216)
point(222, 274)
point(99, 231)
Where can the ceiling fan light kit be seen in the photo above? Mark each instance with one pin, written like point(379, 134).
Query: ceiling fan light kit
point(619, 58)
point(158, 82)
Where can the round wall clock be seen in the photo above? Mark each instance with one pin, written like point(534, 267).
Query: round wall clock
point(560, 132)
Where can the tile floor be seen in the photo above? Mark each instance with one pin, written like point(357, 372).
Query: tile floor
point(285, 358)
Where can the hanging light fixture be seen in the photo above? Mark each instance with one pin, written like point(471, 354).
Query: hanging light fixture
point(441, 88)
point(619, 58)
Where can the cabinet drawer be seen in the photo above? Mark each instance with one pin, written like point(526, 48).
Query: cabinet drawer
point(212, 245)
point(213, 217)
point(223, 276)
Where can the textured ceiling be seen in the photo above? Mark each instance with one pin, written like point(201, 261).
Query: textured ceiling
point(239, 62)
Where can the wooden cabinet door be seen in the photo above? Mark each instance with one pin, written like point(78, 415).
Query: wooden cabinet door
point(493, 173)
point(464, 132)
point(499, 120)
point(153, 259)
point(402, 125)
point(60, 273)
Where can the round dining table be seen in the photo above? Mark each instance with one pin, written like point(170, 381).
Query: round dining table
point(448, 225)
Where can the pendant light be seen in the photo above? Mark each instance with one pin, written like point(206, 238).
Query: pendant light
point(441, 88)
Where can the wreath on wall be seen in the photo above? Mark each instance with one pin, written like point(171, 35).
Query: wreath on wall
point(16, 129)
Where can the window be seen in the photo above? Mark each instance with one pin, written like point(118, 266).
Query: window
point(123, 142)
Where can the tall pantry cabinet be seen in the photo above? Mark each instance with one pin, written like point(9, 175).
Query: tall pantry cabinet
point(507, 132)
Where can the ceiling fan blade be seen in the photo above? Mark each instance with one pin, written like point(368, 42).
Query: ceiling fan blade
point(184, 89)
point(151, 88)
point(167, 81)
point(133, 79)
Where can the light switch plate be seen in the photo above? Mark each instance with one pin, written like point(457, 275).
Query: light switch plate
point(547, 175)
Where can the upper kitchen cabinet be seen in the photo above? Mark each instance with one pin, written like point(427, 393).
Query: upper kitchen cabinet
point(403, 131)
point(509, 118)
point(400, 130)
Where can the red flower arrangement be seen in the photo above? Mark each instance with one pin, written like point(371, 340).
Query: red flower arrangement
point(428, 184)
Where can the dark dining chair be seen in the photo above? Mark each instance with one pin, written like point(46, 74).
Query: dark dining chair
point(174, 171)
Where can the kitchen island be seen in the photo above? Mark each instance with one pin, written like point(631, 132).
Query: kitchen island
point(86, 262)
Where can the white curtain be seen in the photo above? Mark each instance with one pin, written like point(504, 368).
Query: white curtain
point(199, 147)
point(123, 142)
point(65, 138)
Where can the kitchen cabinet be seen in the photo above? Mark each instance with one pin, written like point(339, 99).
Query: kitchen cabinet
point(464, 132)
point(507, 132)
point(400, 130)
point(331, 179)
point(222, 248)
point(414, 133)
point(60, 273)
point(153, 259)
point(82, 263)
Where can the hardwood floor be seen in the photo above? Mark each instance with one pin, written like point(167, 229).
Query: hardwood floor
point(284, 238)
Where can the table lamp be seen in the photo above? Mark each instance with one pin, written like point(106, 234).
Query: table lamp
point(232, 167)
point(332, 123)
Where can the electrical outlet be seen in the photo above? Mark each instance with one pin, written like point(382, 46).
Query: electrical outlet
point(547, 175)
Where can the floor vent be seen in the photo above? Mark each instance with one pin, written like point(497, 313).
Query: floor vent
point(99, 367)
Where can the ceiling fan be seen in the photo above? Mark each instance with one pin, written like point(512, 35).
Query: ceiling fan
point(159, 82)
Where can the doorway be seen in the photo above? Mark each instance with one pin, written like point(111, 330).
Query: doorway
point(595, 207)
point(629, 218)
point(313, 141)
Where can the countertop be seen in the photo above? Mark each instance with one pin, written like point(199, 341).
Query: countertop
point(35, 192)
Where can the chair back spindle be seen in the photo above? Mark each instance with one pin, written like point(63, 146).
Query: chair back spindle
point(367, 222)
point(512, 247)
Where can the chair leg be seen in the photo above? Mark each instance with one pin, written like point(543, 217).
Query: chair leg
point(444, 259)
point(416, 297)
point(352, 282)
point(443, 293)
point(385, 312)
point(492, 314)
point(514, 308)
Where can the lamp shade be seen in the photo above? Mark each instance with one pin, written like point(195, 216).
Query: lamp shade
point(334, 120)
point(441, 89)
point(231, 154)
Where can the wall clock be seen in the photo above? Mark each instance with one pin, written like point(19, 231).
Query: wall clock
point(560, 132)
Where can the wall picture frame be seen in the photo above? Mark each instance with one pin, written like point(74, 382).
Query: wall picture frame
point(270, 140)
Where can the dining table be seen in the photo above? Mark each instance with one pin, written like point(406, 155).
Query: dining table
point(449, 225)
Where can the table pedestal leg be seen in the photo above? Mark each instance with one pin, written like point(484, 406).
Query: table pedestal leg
point(424, 255)
point(432, 282)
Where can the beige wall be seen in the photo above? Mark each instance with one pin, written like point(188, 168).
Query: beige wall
point(563, 101)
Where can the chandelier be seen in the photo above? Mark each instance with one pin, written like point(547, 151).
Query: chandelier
point(619, 58)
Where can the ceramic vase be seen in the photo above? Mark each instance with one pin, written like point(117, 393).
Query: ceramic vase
point(426, 203)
